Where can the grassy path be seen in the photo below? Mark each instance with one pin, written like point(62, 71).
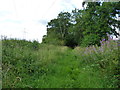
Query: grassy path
point(66, 72)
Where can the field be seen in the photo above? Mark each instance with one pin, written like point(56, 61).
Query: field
point(32, 65)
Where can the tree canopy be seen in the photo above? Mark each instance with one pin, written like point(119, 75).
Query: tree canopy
point(84, 27)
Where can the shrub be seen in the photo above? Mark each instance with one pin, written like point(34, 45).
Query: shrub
point(91, 39)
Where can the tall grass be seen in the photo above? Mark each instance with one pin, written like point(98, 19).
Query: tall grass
point(103, 59)
point(33, 65)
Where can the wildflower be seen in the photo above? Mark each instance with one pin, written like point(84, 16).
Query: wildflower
point(87, 48)
point(102, 42)
point(107, 42)
point(103, 39)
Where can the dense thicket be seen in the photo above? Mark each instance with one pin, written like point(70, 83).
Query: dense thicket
point(27, 64)
point(53, 66)
point(84, 27)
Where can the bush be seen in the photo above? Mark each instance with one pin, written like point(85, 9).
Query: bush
point(52, 66)
point(91, 39)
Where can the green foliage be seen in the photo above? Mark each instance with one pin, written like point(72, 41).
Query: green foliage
point(97, 19)
point(35, 45)
point(52, 66)
point(57, 29)
point(91, 39)
point(70, 41)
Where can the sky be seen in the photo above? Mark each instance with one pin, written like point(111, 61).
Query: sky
point(27, 19)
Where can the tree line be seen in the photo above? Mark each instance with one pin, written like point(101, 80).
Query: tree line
point(84, 27)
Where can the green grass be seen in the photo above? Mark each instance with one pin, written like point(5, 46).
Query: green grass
point(48, 66)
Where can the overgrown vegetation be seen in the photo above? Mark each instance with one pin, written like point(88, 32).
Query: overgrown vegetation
point(92, 62)
point(53, 66)
point(84, 27)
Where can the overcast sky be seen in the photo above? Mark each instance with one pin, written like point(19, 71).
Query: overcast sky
point(28, 18)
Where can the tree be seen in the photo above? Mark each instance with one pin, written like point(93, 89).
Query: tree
point(98, 19)
point(57, 29)
point(84, 27)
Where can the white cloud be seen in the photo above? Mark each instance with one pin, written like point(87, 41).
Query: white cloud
point(17, 16)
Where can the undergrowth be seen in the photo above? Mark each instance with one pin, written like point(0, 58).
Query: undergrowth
point(33, 65)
